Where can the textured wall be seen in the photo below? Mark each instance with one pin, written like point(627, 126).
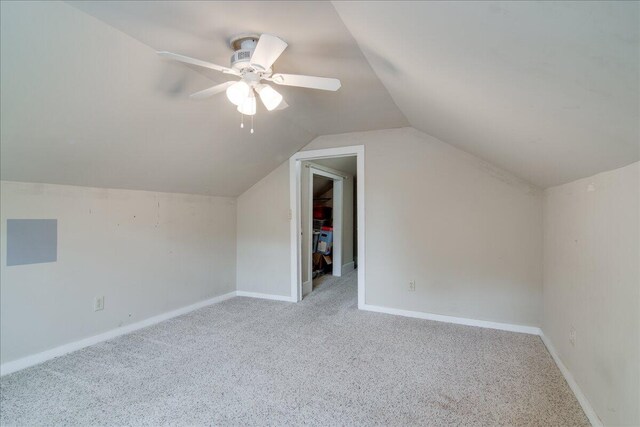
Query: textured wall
point(146, 253)
point(592, 285)
point(264, 255)
point(468, 233)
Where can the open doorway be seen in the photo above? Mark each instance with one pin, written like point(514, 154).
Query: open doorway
point(327, 205)
point(327, 220)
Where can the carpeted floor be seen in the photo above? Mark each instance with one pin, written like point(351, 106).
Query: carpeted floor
point(320, 362)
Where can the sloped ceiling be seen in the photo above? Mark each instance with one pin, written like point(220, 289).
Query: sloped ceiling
point(348, 164)
point(321, 185)
point(547, 90)
point(86, 101)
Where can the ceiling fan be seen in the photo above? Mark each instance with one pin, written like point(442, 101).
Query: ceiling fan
point(251, 61)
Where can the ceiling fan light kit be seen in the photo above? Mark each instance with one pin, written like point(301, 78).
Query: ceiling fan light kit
point(269, 96)
point(248, 106)
point(238, 92)
point(251, 61)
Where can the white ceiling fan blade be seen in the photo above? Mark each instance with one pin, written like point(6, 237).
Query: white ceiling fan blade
point(211, 91)
point(198, 62)
point(268, 49)
point(312, 82)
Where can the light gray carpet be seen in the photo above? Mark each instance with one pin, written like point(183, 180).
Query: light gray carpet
point(320, 362)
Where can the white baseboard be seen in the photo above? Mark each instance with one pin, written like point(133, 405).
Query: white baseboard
point(451, 319)
point(35, 359)
point(582, 399)
point(348, 267)
point(265, 296)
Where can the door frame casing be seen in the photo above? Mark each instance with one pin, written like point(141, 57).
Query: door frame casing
point(295, 166)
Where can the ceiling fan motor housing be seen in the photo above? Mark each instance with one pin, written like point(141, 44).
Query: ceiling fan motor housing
point(241, 59)
point(243, 47)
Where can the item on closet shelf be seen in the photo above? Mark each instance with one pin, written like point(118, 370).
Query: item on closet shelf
point(318, 223)
point(316, 237)
point(325, 241)
point(326, 228)
point(316, 259)
point(321, 212)
point(317, 262)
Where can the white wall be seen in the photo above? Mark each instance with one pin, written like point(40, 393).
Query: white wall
point(263, 253)
point(147, 253)
point(592, 284)
point(467, 232)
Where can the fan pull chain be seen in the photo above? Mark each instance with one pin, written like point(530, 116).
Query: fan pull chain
point(251, 124)
point(241, 120)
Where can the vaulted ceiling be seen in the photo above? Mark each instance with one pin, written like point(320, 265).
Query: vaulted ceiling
point(86, 100)
point(546, 90)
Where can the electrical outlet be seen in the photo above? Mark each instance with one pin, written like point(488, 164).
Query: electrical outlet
point(412, 285)
point(572, 336)
point(98, 304)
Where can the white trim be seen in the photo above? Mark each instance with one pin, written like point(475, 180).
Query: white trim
point(360, 227)
point(36, 359)
point(322, 168)
point(294, 197)
point(582, 399)
point(324, 171)
point(265, 296)
point(308, 222)
point(307, 287)
point(533, 330)
point(338, 206)
point(294, 233)
point(348, 267)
